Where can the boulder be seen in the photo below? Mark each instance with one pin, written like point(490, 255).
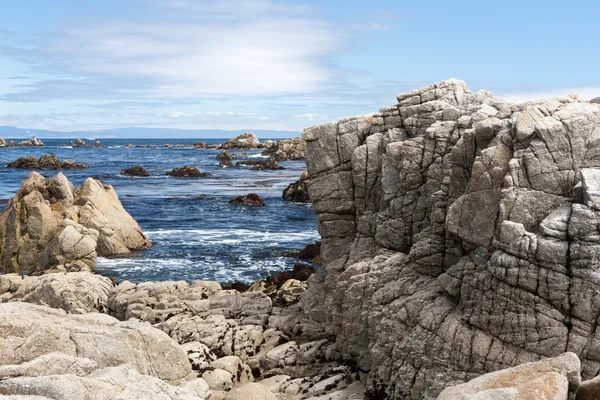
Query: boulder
point(48, 225)
point(251, 199)
point(137, 170)
point(595, 100)
point(30, 142)
point(244, 141)
point(3, 142)
point(240, 372)
point(28, 331)
point(188, 171)
point(589, 390)
point(287, 149)
point(76, 293)
point(298, 191)
point(50, 162)
point(546, 379)
point(225, 158)
point(250, 391)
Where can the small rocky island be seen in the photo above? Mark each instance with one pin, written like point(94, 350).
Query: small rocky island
point(460, 258)
point(50, 162)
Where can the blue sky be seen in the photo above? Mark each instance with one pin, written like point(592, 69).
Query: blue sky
point(268, 64)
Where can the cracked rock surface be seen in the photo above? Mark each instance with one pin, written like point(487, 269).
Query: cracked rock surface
point(460, 236)
point(50, 225)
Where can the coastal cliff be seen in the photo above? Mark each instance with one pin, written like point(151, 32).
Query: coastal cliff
point(459, 236)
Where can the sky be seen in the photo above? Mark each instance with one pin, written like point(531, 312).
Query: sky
point(267, 64)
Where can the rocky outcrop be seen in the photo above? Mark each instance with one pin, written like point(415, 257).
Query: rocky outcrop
point(50, 225)
point(137, 170)
point(459, 237)
point(287, 149)
point(3, 142)
point(251, 199)
point(187, 171)
point(50, 162)
point(75, 292)
point(80, 143)
point(244, 141)
point(33, 142)
point(298, 191)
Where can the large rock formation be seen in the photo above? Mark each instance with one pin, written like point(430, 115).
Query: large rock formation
point(244, 141)
point(50, 225)
point(287, 149)
point(460, 236)
point(49, 162)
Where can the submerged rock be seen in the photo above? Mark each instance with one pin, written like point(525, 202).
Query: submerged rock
point(251, 199)
point(188, 171)
point(259, 165)
point(298, 191)
point(49, 162)
point(244, 141)
point(51, 225)
point(137, 170)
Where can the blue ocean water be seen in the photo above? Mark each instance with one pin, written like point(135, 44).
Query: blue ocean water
point(196, 233)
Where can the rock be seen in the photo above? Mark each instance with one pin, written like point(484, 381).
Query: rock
point(290, 292)
point(137, 170)
point(188, 171)
point(244, 141)
point(48, 225)
point(130, 146)
point(589, 390)
point(204, 145)
point(250, 199)
point(298, 191)
point(300, 272)
point(287, 149)
point(3, 143)
point(241, 373)
point(98, 143)
point(30, 142)
point(595, 100)
point(218, 379)
point(78, 143)
point(311, 252)
point(106, 384)
point(50, 162)
point(460, 220)
point(251, 391)
point(546, 379)
point(265, 144)
point(260, 165)
point(225, 158)
point(76, 293)
point(99, 338)
point(199, 355)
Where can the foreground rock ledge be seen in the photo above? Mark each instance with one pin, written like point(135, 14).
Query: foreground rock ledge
point(50, 225)
point(458, 238)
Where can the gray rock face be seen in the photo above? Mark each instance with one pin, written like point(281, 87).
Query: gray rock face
point(50, 225)
point(244, 141)
point(460, 236)
point(287, 149)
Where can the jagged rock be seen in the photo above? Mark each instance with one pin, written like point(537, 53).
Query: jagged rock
point(251, 199)
point(300, 272)
point(199, 355)
point(204, 145)
point(225, 158)
point(188, 171)
point(290, 292)
point(3, 143)
point(244, 141)
point(287, 149)
point(120, 382)
point(137, 170)
point(298, 191)
point(250, 391)
point(97, 337)
point(76, 293)
point(546, 379)
point(78, 143)
point(50, 162)
point(30, 142)
point(48, 225)
point(458, 218)
point(260, 165)
point(595, 100)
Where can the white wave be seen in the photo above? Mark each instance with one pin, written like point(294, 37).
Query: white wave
point(64, 147)
point(233, 236)
point(257, 156)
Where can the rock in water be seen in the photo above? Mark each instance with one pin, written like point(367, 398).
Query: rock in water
point(3, 143)
point(244, 141)
point(188, 171)
point(251, 199)
point(225, 158)
point(460, 220)
point(298, 191)
point(287, 149)
point(138, 170)
point(50, 162)
point(50, 225)
point(260, 165)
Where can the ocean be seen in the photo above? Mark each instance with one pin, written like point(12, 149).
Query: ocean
point(196, 233)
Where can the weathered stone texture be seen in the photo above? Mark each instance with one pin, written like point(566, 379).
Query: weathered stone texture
point(460, 236)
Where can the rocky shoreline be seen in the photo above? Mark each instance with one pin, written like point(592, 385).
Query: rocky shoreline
point(459, 249)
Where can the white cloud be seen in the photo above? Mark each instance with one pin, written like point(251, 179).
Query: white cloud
point(584, 92)
point(268, 49)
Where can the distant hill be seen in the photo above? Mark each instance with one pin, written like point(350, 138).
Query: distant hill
point(141, 133)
